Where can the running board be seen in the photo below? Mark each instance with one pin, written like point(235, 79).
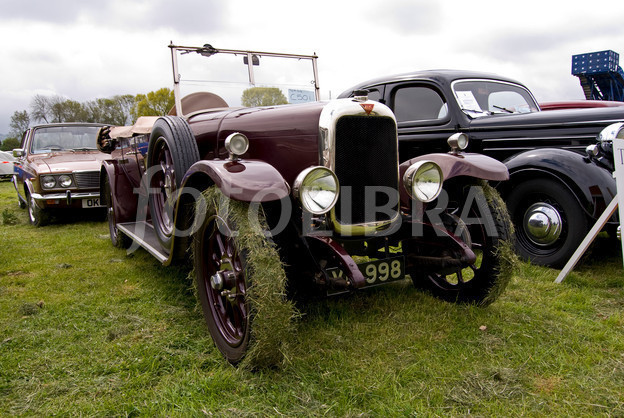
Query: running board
point(144, 235)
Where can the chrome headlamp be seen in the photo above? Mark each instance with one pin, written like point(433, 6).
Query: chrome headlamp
point(423, 180)
point(608, 134)
point(317, 189)
point(458, 142)
point(236, 145)
point(64, 180)
point(48, 182)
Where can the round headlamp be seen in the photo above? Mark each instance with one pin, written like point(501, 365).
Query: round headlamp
point(236, 144)
point(64, 180)
point(608, 134)
point(458, 142)
point(423, 180)
point(317, 189)
point(615, 130)
point(48, 182)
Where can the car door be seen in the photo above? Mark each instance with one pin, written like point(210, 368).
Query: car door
point(424, 121)
point(22, 169)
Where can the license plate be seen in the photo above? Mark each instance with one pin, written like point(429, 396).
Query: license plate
point(91, 203)
point(383, 271)
point(378, 271)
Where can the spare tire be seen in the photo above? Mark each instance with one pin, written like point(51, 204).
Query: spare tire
point(171, 151)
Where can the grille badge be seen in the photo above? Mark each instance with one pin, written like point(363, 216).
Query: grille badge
point(368, 107)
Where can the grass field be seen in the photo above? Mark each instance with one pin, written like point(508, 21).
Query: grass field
point(87, 330)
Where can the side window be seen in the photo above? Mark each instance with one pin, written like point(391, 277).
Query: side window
point(374, 94)
point(418, 103)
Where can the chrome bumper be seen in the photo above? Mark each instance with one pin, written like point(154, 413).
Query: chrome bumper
point(67, 196)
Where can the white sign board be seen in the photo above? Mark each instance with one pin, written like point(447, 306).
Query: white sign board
point(618, 201)
point(618, 156)
point(300, 96)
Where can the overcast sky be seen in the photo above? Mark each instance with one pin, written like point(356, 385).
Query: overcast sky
point(85, 49)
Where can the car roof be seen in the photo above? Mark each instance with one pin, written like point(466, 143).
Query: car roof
point(46, 125)
point(443, 75)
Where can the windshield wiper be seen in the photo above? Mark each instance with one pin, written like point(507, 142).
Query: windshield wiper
point(476, 112)
point(503, 109)
point(84, 149)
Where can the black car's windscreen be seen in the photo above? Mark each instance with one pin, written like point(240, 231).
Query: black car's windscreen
point(62, 138)
point(486, 97)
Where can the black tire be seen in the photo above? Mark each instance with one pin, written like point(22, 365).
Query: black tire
point(546, 247)
point(171, 151)
point(118, 238)
point(484, 281)
point(36, 215)
point(247, 315)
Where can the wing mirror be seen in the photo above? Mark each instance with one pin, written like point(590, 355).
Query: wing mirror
point(104, 142)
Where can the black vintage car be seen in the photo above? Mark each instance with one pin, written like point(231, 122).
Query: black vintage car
point(555, 192)
point(316, 186)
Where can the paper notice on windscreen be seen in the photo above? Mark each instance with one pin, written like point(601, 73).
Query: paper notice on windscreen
point(467, 101)
point(618, 159)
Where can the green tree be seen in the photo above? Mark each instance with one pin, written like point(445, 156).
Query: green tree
point(154, 103)
point(9, 143)
point(263, 96)
point(65, 110)
point(19, 123)
point(116, 110)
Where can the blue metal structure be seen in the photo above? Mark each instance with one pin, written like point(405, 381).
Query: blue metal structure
point(600, 75)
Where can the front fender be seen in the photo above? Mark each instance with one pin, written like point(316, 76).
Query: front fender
point(593, 185)
point(247, 181)
point(464, 164)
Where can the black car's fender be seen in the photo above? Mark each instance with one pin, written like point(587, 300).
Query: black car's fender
point(592, 185)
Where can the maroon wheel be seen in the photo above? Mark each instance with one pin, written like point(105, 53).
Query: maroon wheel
point(484, 280)
point(222, 287)
point(171, 151)
point(163, 186)
point(241, 283)
point(118, 238)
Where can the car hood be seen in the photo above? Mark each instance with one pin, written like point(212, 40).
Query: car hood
point(548, 118)
point(59, 162)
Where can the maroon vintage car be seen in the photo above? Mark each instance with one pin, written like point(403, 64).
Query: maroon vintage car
point(58, 168)
point(277, 203)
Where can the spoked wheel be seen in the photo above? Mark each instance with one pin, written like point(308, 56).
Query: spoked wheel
point(118, 238)
point(164, 183)
point(484, 280)
point(241, 284)
point(172, 150)
point(37, 215)
point(550, 223)
point(221, 283)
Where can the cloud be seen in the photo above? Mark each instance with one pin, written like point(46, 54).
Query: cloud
point(407, 17)
point(183, 16)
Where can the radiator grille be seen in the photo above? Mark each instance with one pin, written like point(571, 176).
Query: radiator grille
point(87, 179)
point(366, 164)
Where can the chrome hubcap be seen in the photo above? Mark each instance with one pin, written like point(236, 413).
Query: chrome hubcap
point(542, 223)
point(168, 186)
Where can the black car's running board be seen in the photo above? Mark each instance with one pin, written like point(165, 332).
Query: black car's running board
point(144, 235)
